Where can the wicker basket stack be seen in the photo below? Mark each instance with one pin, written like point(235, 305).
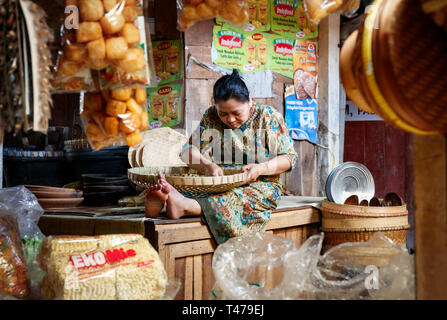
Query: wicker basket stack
point(395, 66)
point(349, 223)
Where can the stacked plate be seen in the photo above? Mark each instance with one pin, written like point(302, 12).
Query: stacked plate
point(105, 189)
point(347, 179)
point(56, 198)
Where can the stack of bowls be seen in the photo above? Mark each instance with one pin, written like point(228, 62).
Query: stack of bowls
point(51, 198)
point(105, 189)
point(395, 66)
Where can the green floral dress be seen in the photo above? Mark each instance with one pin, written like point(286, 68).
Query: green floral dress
point(261, 138)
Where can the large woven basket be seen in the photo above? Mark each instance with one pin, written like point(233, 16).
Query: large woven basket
point(399, 66)
point(187, 180)
point(349, 223)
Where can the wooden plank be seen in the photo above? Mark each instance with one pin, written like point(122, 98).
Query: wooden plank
point(202, 28)
point(184, 234)
point(394, 160)
point(180, 274)
point(192, 248)
point(293, 218)
point(170, 263)
point(309, 170)
point(328, 97)
point(208, 279)
point(430, 195)
point(375, 154)
point(189, 278)
point(354, 141)
point(198, 98)
point(203, 54)
point(198, 277)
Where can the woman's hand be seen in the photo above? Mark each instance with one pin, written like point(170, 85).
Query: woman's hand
point(212, 169)
point(254, 170)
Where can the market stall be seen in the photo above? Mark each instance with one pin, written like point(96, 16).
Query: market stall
point(114, 120)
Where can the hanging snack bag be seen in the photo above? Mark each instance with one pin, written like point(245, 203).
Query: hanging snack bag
point(105, 39)
point(318, 9)
point(258, 16)
point(114, 117)
point(234, 12)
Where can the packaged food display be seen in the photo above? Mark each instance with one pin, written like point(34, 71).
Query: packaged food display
point(13, 270)
point(319, 9)
point(114, 117)
point(305, 69)
point(282, 54)
point(165, 104)
point(168, 60)
point(258, 16)
point(232, 11)
point(106, 267)
point(110, 43)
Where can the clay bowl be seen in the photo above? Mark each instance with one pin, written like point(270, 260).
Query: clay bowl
point(60, 203)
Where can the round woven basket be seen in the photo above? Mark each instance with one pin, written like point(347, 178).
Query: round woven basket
point(187, 180)
point(349, 223)
point(399, 67)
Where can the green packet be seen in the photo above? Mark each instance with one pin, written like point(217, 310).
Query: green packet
point(281, 54)
point(242, 50)
point(168, 62)
point(288, 17)
point(165, 105)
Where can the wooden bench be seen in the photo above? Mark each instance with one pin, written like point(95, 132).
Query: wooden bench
point(185, 246)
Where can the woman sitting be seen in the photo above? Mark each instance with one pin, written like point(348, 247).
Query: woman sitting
point(235, 133)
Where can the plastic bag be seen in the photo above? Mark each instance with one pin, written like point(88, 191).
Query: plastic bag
point(234, 12)
point(265, 266)
point(114, 117)
point(105, 45)
point(105, 267)
point(317, 10)
point(19, 215)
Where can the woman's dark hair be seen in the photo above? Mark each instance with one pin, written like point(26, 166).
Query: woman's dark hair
point(230, 87)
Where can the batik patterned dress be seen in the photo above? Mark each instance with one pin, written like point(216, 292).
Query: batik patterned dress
point(261, 138)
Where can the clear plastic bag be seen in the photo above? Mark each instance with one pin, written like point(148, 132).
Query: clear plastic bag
point(265, 266)
point(19, 215)
point(105, 45)
point(234, 12)
point(317, 10)
point(105, 267)
point(114, 117)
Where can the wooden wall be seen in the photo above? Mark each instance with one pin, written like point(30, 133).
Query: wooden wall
point(198, 94)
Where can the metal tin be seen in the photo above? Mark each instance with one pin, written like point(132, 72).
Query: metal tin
point(347, 179)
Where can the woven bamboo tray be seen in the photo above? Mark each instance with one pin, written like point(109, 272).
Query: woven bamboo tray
point(187, 180)
point(349, 223)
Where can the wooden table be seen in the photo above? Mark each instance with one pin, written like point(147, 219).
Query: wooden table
point(185, 245)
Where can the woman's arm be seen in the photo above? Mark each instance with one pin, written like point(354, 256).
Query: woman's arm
point(195, 160)
point(272, 167)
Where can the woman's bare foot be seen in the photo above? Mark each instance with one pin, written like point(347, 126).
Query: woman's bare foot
point(156, 197)
point(177, 205)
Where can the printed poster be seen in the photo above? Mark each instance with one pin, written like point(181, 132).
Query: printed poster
point(259, 16)
point(301, 116)
point(168, 62)
point(305, 68)
point(281, 57)
point(288, 17)
point(165, 105)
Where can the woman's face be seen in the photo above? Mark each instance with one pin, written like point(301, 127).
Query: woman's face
point(233, 112)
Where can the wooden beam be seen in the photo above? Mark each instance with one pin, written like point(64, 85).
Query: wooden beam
point(430, 197)
point(328, 97)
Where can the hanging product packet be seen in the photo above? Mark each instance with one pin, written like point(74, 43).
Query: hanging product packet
point(105, 45)
point(114, 117)
point(234, 12)
point(165, 105)
point(316, 10)
point(281, 50)
point(305, 69)
point(288, 17)
point(258, 16)
point(168, 60)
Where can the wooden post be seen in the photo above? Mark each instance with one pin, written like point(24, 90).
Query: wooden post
point(430, 198)
point(2, 133)
point(328, 98)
